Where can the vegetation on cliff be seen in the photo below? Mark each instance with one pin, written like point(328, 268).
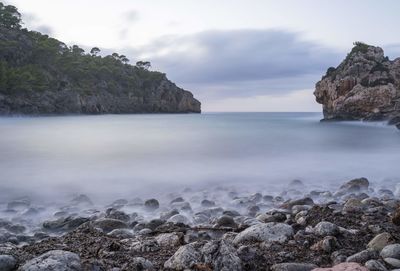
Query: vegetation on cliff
point(37, 72)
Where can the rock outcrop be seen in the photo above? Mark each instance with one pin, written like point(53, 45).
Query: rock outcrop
point(42, 75)
point(365, 86)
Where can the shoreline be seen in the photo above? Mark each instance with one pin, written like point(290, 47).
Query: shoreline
point(297, 230)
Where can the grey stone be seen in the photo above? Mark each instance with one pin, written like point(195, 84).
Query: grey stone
point(293, 267)
point(391, 251)
point(325, 228)
point(108, 224)
point(54, 260)
point(221, 255)
point(374, 265)
point(7, 263)
point(184, 258)
point(268, 232)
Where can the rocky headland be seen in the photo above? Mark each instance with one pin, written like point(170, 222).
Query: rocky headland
point(365, 86)
point(355, 227)
point(42, 75)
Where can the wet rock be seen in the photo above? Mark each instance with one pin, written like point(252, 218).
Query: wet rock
point(168, 214)
point(169, 239)
point(116, 214)
point(119, 202)
point(182, 206)
point(108, 224)
point(121, 233)
point(374, 265)
point(184, 258)
point(231, 213)
point(293, 267)
point(296, 183)
point(344, 267)
point(179, 199)
point(352, 205)
point(379, 241)
point(19, 204)
point(272, 217)
point(221, 255)
point(253, 210)
point(142, 264)
point(391, 251)
point(7, 263)
point(54, 260)
point(82, 200)
point(291, 203)
point(255, 198)
point(153, 224)
point(392, 262)
point(225, 221)
point(363, 256)
point(325, 228)
point(64, 224)
point(207, 203)
point(145, 245)
point(246, 253)
point(179, 219)
point(151, 204)
point(268, 198)
point(355, 185)
point(268, 232)
point(328, 244)
point(16, 228)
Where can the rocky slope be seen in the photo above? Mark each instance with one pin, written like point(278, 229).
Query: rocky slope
point(41, 75)
point(365, 86)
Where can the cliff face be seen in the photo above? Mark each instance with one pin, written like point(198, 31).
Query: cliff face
point(41, 75)
point(365, 86)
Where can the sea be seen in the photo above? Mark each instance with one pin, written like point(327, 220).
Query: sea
point(112, 156)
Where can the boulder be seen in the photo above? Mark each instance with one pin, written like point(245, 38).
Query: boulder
point(265, 232)
point(379, 241)
point(344, 267)
point(293, 267)
point(108, 224)
point(184, 258)
point(169, 239)
point(151, 204)
point(391, 251)
point(7, 263)
point(326, 228)
point(221, 255)
point(54, 260)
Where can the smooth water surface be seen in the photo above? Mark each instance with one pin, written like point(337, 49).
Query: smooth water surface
point(119, 155)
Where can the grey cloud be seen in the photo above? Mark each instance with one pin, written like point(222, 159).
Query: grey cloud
point(241, 62)
point(131, 16)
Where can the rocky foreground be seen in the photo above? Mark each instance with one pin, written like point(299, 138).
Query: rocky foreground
point(365, 86)
point(354, 228)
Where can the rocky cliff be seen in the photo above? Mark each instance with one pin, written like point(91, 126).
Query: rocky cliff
point(365, 86)
point(41, 75)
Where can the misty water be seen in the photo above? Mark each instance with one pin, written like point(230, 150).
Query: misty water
point(115, 156)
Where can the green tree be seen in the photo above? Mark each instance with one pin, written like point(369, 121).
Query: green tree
point(9, 16)
point(123, 59)
point(145, 65)
point(76, 50)
point(95, 51)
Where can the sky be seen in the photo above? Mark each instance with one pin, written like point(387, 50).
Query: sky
point(233, 55)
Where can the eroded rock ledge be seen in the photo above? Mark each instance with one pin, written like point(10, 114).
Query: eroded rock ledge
point(365, 86)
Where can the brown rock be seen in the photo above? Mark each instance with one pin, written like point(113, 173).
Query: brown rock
point(344, 267)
